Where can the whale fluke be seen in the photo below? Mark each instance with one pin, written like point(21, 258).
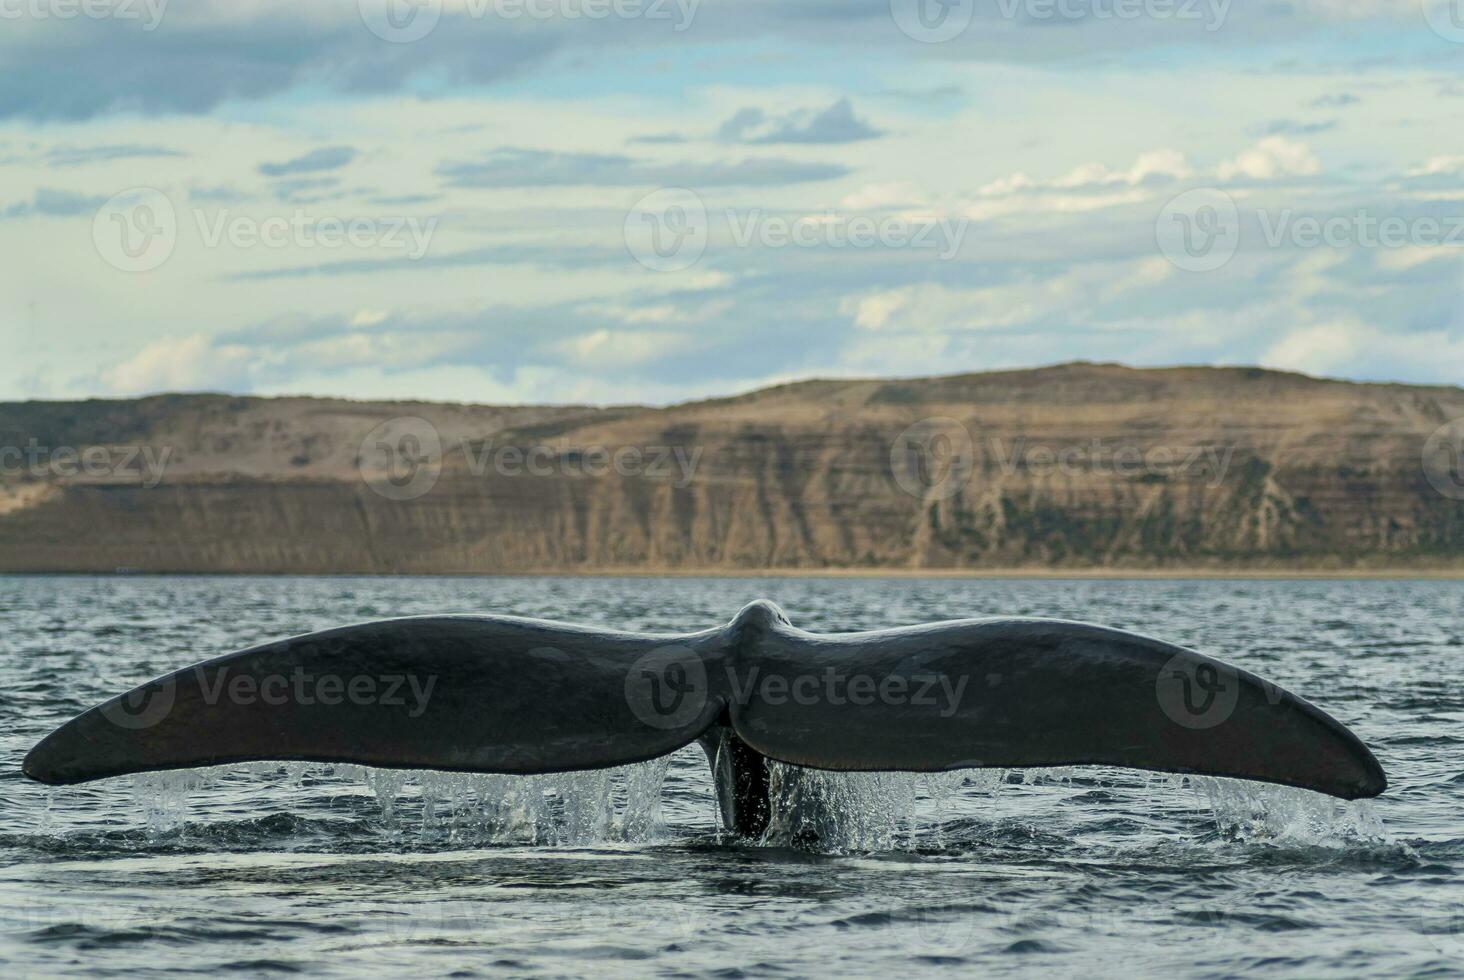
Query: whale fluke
point(460, 693)
point(522, 696)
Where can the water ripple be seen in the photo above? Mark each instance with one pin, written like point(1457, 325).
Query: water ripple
point(269, 869)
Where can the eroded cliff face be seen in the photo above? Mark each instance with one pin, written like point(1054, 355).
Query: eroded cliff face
point(1076, 466)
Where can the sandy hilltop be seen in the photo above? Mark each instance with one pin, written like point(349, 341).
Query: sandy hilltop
point(1078, 468)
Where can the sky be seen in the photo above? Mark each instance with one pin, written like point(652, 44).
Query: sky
point(649, 201)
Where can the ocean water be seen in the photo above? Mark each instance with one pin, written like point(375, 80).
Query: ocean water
point(339, 871)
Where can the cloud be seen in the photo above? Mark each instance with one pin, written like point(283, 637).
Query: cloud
point(76, 156)
point(1348, 346)
point(935, 93)
point(835, 124)
point(1156, 166)
point(622, 348)
point(1440, 173)
point(316, 161)
point(205, 53)
point(307, 190)
point(496, 340)
point(1439, 166)
point(51, 203)
point(277, 351)
point(873, 312)
point(1292, 127)
point(1088, 187)
point(404, 200)
point(955, 309)
point(192, 363)
point(662, 139)
point(1060, 261)
point(1271, 159)
point(886, 195)
point(1337, 101)
point(1316, 349)
point(217, 194)
point(561, 255)
point(516, 167)
point(1097, 289)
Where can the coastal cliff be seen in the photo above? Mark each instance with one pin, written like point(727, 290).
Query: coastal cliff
point(1075, 467)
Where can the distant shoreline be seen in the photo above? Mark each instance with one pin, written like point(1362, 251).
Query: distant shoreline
point(1237, 473)
point(1036, 574)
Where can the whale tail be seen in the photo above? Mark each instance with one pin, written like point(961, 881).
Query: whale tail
point(521, 696)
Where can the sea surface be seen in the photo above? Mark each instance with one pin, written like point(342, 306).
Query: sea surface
point(337, 871)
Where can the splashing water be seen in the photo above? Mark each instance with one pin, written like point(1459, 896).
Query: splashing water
point(840, 812)
point(333, 870)
point(163, 797)
point(828, 812)
point(1260, 812)
point(560, 809)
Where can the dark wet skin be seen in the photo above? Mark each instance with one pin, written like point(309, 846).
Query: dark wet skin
point(523, 696)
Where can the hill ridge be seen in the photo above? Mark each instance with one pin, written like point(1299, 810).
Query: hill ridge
point(1078, 466)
